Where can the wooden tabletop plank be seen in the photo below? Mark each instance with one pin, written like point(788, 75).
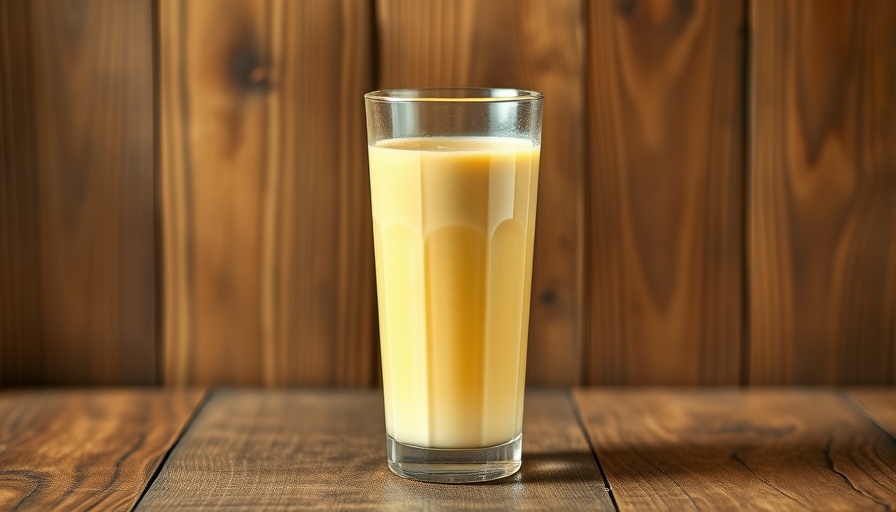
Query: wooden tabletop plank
point(79, 449)
point(879, 404)
point(761, 449)
point(325, 450)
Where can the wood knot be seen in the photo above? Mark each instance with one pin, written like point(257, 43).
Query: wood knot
point(627, 7)
point(685, 8)
point(548, 297)
point(258, 75)
point(247, 71)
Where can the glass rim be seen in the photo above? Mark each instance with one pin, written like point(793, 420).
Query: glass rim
point(453, 95)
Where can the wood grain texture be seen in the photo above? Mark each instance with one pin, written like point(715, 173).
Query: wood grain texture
point(326, 451)
point(665, 192)
point(746, 450)
point(21, 333)
point(80, 450)
point(267, 245)
point(879, 404)
point(822, 241)
point(77, 270)
point(532, 44)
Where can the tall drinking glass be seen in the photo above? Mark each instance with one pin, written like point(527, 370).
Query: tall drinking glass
point(453, 183)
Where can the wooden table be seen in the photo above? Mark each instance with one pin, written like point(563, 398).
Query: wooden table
point(584, 449)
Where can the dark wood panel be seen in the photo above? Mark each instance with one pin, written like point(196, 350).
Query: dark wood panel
point(823, 202)
point(730, 449)
point(267, 244)
point(85, 450)
point(665, 192)
point(21, 333)
point(531, 44)
point(77, 256)
point(326, 450)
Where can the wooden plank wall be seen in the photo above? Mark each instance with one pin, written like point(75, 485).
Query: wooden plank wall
point(665, 195)
point(535, 45)
point(822, 210)
point(264, 199)
point(183, 189)
point(77, 212)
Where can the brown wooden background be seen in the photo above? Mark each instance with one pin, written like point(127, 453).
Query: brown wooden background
point(184, 197)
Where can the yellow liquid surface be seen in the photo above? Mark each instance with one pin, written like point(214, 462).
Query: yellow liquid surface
point(454, 225)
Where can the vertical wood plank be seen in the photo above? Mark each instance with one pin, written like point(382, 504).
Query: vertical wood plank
point(823, 202)
point(77, 256)
point(21, 334)
point(664, 192)
point(532, 44)
point(267, 247)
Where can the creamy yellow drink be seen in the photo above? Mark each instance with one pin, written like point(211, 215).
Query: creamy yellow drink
point(454, 223)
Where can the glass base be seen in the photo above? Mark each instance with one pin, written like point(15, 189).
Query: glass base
point(454, 466)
